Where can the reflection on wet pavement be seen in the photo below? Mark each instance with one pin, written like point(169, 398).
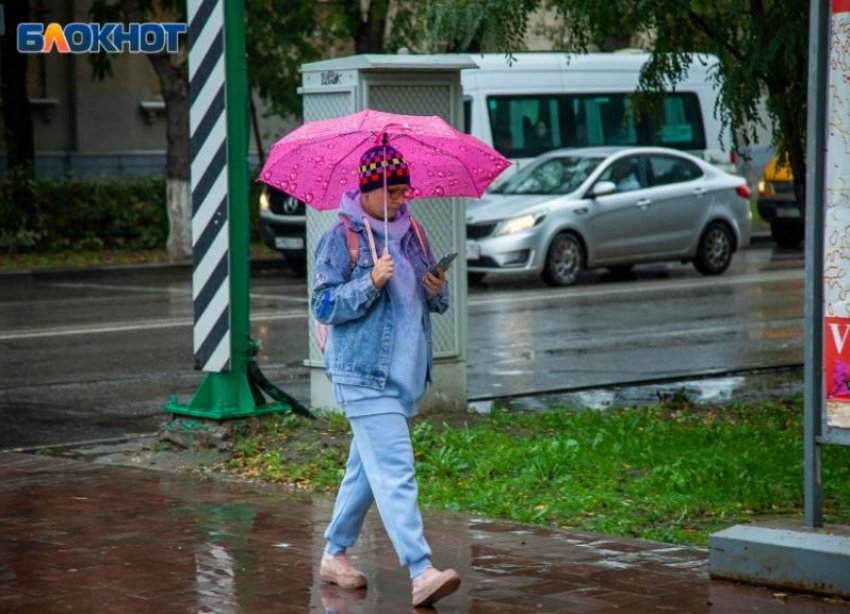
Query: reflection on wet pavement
point(88, 539)
point(757, 386)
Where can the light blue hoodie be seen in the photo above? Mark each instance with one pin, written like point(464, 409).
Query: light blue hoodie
point(409, 357)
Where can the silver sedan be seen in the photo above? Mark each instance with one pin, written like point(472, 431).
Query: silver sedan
point(573, 209)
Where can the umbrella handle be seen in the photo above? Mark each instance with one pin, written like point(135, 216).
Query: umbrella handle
point(385, 166)
point(382, 138)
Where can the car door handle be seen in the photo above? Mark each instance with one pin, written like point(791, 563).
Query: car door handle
point(643, 203)
point(699, 192)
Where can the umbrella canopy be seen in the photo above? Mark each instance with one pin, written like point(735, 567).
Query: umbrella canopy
point(319, 161)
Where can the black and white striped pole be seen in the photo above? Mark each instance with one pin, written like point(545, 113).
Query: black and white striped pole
point(209, 174)
point(218, 129)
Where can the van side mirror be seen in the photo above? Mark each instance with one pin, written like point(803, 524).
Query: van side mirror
point(603, 188)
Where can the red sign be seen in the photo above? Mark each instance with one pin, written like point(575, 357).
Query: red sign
point(837, 359)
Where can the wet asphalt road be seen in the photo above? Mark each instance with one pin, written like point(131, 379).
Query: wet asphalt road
point(82, 360)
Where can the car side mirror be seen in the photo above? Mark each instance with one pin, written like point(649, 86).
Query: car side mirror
point(603, 188)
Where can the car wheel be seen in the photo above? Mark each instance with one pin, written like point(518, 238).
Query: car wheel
point(715, 250)
point(473, 279)
point(786, 235)
point(564, 261)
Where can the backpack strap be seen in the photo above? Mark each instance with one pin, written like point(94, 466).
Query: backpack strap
point(352, 240)
point(371, 238)
point(420, 234)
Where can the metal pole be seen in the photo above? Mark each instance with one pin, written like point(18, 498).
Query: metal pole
point(237, 392)
point(819, 15)
point(237, 151)
point(386, 167)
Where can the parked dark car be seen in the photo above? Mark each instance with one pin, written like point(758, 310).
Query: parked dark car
point(283, 226)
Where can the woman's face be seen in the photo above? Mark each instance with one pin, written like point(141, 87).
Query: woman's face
point(373, 202)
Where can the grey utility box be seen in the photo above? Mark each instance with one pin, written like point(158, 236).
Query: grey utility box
point(411, 85)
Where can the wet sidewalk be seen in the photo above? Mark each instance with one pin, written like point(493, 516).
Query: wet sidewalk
point(77, 537)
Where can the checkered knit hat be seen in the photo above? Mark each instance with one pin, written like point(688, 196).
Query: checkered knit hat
point(372, 165)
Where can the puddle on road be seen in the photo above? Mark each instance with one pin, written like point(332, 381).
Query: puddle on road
point(703, 391)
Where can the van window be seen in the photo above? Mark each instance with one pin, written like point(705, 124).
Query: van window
point(467, 115)
point(526, 126)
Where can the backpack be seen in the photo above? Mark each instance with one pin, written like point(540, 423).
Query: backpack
point(352, 239)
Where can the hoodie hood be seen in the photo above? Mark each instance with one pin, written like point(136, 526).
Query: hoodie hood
point(350, 207)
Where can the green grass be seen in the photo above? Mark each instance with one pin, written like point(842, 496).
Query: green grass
point(669, 474)
point(94, 258)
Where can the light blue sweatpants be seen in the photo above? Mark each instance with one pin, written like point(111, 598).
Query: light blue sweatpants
point(380, 469)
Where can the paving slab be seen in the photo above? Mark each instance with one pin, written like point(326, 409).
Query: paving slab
point(76, 537)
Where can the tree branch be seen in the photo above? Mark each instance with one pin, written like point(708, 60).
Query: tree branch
point(701, 25)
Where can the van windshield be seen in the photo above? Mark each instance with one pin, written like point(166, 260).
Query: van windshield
point(560, 175)
point(531, 124)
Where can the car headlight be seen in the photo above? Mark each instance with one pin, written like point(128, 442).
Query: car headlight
point(264, 201)
point(519, 224)
point(765, 189)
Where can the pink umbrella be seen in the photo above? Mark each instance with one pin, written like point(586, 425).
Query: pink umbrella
point(320, 160)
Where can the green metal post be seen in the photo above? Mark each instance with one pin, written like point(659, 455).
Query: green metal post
point(237, 394)
point(236, 80)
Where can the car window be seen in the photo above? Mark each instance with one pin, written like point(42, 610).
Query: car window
point(665, 170)
point(560, 175)
point(628, 174)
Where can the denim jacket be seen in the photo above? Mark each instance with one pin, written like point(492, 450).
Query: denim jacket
point(360, 316)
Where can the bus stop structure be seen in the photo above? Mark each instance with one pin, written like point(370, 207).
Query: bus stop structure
point(808, 555)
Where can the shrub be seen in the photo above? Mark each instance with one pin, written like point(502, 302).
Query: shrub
point(48, 215)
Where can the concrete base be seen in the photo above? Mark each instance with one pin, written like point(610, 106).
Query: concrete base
point(784, 554)
point(200, 433)
point(448, 390)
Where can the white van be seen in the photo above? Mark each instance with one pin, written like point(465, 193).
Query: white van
point(546, 101)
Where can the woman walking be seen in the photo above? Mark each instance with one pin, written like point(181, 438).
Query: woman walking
point(379, 358)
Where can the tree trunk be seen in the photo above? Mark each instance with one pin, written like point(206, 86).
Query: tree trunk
point(17, 112)
point(369, 35)
point(793, 135)
point(177, 169)
point(174, 85)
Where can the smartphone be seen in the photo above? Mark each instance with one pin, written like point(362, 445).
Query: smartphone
point(444, 264)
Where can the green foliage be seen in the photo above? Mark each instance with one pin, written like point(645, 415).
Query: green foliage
point(104, 11)
point(71, 213)
point(673, 473)
point(281, 35)
point(246, 446)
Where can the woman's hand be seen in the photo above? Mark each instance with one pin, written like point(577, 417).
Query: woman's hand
point(383, 270)
point(434, 285)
